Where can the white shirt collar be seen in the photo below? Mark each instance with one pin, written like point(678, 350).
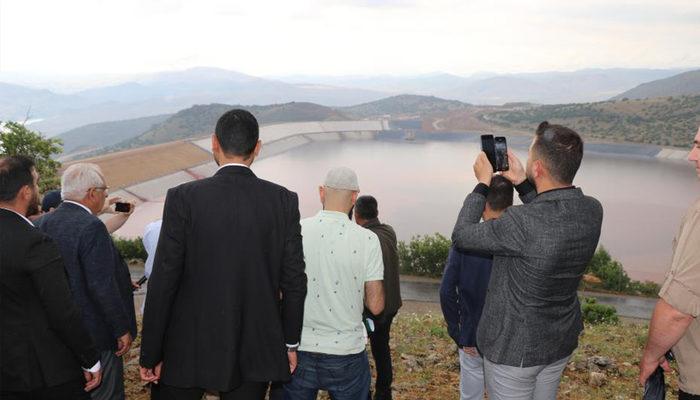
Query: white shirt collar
point(232, 165)
point(78, 204)
point(23, 217)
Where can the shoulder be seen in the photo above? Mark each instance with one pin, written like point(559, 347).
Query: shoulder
point(364, 234)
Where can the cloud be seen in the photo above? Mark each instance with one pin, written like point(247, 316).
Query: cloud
point(335, 37)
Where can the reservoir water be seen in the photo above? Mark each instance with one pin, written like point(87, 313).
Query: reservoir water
point(420, 186)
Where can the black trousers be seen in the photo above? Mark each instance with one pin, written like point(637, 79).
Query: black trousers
point(247, 391)
point(72, 390)
point(686, 396)
point(379, 339)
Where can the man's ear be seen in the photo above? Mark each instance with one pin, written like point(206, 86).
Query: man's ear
point(258, 147)
point(322, 194)
point(539, 170)
point(215, 146)
point(354, 197)
point(26, 192)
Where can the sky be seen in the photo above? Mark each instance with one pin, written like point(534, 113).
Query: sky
point(345, 37)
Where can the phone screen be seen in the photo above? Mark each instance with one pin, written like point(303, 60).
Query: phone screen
point(122, 207)
point(501, 153)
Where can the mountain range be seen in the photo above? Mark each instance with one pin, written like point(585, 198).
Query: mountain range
point(169, 92)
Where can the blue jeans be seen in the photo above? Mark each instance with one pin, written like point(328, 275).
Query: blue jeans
point(344, 377)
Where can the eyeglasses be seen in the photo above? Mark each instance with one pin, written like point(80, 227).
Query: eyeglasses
point(102, 188)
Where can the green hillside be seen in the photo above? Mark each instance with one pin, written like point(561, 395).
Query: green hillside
point(685, 84)
point(412, 105)
point(665, 121)
point(200, 120)
point(95, 136)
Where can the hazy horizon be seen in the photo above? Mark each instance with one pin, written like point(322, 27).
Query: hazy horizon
point(341, 38)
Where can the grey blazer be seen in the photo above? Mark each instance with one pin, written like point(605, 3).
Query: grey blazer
point(532, 314)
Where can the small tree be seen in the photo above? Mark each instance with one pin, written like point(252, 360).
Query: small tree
point(17, 139)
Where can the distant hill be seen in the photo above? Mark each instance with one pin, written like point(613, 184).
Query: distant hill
point(95, 136)
point(554, 87)
point(200, 120)
point(666, 121)
point(19, 102)
point(163, 93)
point(687, 83)
point(404, 106)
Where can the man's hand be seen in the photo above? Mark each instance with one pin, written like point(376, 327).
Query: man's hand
point(107, 209)
point(123, 344)
point(648, 365)
point(516, 173)
point(151, 375)
point(471, 351)
point(92, 379)
point(483, 170)
point(292, 356)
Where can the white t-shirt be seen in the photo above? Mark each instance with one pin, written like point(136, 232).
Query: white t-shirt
point(340, 257)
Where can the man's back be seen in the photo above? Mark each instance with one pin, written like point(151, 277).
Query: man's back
point(532, 315)
point(98, 277)
point(229, 245)
point(340, 257)
point(534, 301)
point(390, 257)
point(43, 341)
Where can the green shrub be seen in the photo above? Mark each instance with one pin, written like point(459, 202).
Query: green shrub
point(131, 249)
point(424, 255)
point(594, 313)
point(614, 277)
point(646, 288)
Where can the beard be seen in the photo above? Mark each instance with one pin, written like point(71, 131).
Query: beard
point(34, 206)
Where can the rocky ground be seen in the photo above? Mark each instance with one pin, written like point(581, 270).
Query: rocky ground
point(426, 364)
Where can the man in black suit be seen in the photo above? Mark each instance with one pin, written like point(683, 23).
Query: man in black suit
point(228, 285)
point(43, 343)
point(99, 279)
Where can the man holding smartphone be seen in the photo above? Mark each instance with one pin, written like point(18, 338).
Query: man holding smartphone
point(532, 317)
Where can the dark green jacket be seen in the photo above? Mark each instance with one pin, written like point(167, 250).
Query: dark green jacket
point(387, 239)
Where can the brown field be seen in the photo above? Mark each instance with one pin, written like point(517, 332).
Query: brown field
point(133, 166)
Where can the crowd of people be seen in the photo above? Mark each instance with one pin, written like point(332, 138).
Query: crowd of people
point(247, 300)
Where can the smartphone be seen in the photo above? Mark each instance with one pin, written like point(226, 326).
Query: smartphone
point(501, 153)
point(488, 146)
point(496, 150)
point(122, 207)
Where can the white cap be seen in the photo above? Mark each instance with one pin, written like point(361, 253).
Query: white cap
point(342, 178)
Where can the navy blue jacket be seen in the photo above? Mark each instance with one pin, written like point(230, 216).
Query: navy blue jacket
point(463, 293)
point(99, 279)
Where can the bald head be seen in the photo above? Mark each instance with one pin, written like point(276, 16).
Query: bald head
point(340, 200)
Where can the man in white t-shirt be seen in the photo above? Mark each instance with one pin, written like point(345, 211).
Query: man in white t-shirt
point(344, 269)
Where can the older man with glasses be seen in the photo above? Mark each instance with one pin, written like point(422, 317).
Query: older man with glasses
point(99, 279)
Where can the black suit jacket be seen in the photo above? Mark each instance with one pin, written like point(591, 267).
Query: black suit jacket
point(230, 245)
point(43, 342)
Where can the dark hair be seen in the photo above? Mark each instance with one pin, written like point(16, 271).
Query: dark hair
point(500, 194)
point(561, 149)
point(237, 132)
point(366, 207)
point(15, 173)
point(52, 199)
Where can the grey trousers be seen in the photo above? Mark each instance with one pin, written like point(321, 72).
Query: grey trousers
point(112, 386)
point(471, 377)
point(540, 382)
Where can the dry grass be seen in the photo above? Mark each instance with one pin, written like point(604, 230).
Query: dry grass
point(133, 166)
point(426, 364)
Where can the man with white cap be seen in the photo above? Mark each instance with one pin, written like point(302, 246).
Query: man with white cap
point(345, 271)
